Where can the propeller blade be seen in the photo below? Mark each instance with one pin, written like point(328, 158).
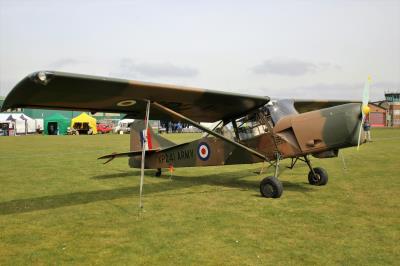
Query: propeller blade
point(364, 109)
point(366, 92)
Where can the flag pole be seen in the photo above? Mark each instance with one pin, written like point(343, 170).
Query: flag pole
point(144, 154)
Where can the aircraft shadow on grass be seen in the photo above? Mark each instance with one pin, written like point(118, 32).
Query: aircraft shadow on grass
point(226, 180)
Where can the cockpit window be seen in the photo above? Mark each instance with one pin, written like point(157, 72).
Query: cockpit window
point(225, 130)
point(281, 108)
point(252, 125)
point(246, 127)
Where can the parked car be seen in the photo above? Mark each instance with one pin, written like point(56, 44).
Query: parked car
point(103, 128)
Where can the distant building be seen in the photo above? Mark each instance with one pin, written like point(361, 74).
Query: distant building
point(393, 101)
point(44, 113)
point(377, 116)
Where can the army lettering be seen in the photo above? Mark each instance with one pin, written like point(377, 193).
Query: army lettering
point(170, 157)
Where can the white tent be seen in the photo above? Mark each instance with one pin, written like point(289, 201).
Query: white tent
point(20, 123)
point(39, 124)
point(123, 125)
point(30, 123)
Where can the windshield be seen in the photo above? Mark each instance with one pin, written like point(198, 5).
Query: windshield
point(281, 108)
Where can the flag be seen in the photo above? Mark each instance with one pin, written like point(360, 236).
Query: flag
point(146, 139)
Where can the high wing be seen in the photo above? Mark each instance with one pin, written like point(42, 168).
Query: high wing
point(303, 106)
point(59, 90)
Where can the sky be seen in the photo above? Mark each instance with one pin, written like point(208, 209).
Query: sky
point(282, 49)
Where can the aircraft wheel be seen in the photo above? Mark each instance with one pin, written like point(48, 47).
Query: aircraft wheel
point(271, 187)
point(320, 178)
point(158, 173)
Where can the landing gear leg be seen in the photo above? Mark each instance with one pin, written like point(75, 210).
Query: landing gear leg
point(271, 187)
point(158, 173)
point(317, 176)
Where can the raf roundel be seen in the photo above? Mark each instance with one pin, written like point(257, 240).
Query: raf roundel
point(203, 151)
point(126, 103)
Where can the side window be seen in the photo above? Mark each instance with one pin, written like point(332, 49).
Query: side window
point(250, 126)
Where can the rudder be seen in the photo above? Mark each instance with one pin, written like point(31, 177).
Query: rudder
point(155, 141)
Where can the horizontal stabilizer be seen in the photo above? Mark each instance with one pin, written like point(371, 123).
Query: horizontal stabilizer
point(114, 155)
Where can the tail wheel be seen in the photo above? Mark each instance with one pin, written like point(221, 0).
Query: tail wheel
point(271, 187)
point(320, 178)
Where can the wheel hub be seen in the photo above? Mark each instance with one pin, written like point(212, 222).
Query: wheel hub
point(268, 190)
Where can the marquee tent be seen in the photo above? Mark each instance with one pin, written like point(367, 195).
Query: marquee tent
point(21, 123)
point(84, 123)
point(56, 124)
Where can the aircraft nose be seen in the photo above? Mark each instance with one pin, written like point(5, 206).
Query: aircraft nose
point(353, 122)
point(342, 125)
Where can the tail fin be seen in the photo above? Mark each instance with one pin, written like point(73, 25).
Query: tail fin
point(154, 141)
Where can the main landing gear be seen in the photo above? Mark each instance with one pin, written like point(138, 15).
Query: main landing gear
point(317, 176)
point(271, 187)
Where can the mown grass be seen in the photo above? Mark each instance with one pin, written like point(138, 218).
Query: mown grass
point(59, 205)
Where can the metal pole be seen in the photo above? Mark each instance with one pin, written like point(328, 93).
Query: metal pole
point(277, 164)
point(144, 153)
point(343, 161)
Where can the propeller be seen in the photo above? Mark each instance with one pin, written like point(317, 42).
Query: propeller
point(364, 109)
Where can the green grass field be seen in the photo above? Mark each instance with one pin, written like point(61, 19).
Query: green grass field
point(59, 205)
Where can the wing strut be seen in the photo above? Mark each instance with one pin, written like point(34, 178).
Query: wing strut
point(215, 134)
point(144, 144)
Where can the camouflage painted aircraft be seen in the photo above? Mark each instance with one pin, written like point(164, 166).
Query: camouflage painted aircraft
point(251, 129)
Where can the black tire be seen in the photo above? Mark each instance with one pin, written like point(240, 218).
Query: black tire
point(320, 178)
point(271, 187)
point(158, 173)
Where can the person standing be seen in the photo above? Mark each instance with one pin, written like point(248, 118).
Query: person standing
point(367, 131)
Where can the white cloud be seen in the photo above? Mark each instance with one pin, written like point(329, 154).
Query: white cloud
point(129, 68)
point(291, 67)
point(64, 62)
point(333, 91)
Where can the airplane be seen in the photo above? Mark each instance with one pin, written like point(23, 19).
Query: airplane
point(250, 129)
